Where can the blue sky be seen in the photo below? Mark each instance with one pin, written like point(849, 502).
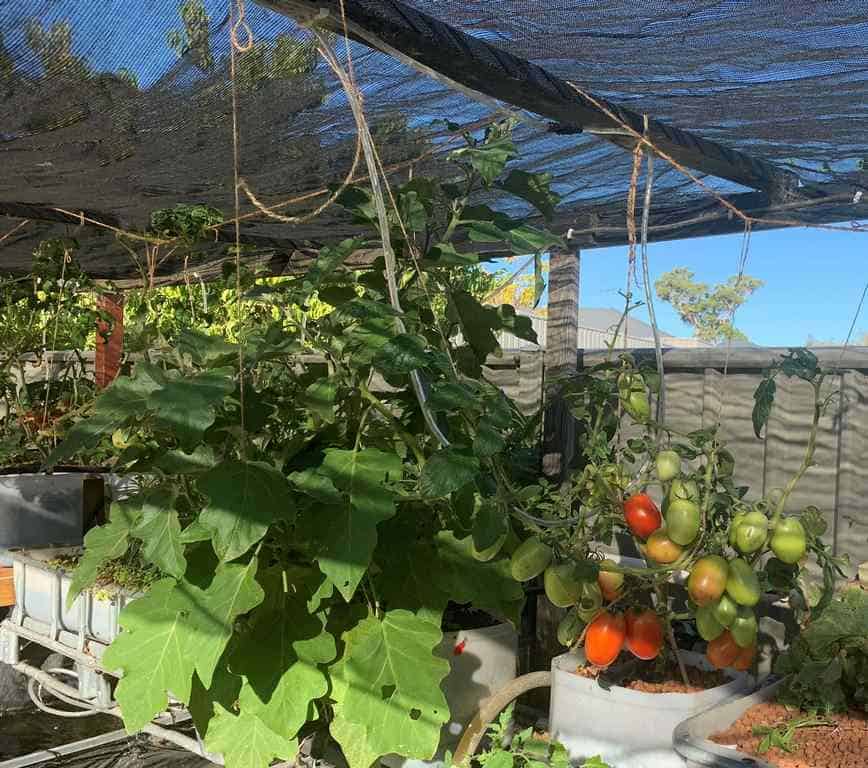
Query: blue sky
point(813, 281)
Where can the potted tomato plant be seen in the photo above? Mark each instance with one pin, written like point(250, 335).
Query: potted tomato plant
point(692, 525)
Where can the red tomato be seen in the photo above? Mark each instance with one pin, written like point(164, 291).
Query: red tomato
point(644, 634)
point(604, 639)
point(642, 515)
point(723, 651)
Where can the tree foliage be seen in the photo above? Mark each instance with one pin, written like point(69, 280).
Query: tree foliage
point(707, 309)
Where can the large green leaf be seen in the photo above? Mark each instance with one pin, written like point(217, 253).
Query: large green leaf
point(477, 322)
point(245, 741)
point(178, 462)
point(104, 543)
point(387, 689)
point(153, 652)
point(534, 188)
point(244, 498)
point(319, 398)
point(448, 470)
point(176, 628)
point(186, 406)
point(347, 534)
point(160, 531)
point(489, 159)
point(126, 398)
point(280, 657)
point(403, 354)
point(233, 592)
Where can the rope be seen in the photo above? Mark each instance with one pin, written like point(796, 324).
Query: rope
point(238, 7)
point(645, 141)
point(388, 252)
point(15, 229)
point(853, 325)
point(649, 298)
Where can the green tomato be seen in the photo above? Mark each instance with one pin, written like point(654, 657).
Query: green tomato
point(590, 601)
point(707, 625)
point(686, 490)
point(489, 553)
point(734, 525)
point(637, 406)
point(725, 610)
point(668, 465)
point(789, 541)
point(744, 628)
point(682, 521)
point(530, 559)
point(742, 584)
point(751, 534)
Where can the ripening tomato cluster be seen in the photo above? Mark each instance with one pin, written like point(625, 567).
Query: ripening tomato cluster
point(640, 632)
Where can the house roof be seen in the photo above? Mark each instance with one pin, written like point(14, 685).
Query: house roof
point(606, 319)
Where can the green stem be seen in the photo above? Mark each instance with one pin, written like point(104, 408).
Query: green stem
point(808, 461)
point(405, 436)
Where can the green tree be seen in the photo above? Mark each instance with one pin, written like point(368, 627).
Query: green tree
point(707, 309)
point(53, 46)
point(195, 37)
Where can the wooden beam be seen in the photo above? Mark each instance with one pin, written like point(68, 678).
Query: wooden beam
point(562, 341)
point(485, 72)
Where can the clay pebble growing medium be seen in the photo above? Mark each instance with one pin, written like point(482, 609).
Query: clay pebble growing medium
point(843, 745)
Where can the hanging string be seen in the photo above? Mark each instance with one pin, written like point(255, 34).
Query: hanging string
point(14, 229)
point(852, 325)
point(240, 22)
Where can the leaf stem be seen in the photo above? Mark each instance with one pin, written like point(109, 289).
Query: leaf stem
point(808, 461)
point(405, 436)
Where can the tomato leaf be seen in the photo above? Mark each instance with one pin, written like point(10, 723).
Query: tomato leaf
point(764, 398)
point(534, 188)
point(448, 470)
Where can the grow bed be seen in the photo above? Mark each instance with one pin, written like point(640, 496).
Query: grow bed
point(843, 744)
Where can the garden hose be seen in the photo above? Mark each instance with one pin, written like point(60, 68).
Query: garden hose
point(492, 707)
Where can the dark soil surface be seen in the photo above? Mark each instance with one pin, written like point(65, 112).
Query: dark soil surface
point(664, 678)
point(843, 745)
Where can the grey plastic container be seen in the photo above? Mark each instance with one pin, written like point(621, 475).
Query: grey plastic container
point(41, 590)
point(691, 737)
point(39, 510)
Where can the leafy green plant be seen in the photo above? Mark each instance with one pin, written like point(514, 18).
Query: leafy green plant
point(308, 527)
point(782, 736)
point(828, 661)
point(525, 749)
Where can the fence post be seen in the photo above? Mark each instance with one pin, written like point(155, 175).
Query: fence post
point(561, 353)
point(109, 348)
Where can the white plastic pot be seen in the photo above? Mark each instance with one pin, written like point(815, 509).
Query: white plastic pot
point(481, 662)
point(692, 737)
point(628, 729)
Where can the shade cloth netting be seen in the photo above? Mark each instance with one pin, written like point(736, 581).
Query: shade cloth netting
point(123, 107)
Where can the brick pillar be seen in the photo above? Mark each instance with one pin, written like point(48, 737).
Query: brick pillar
point(109, 347)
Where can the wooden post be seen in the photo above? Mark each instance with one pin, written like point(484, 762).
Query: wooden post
point(109, 350)
point(562, 342)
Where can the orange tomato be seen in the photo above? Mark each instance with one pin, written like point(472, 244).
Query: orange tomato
point(744, 658)
point(604, 639)
point(723, 651)
point(661, 549)
point(707, 579)
point(644, 634)
point(610, 582)
point(642, 515)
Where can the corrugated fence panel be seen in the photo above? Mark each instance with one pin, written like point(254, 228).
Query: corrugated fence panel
point(851, 530)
